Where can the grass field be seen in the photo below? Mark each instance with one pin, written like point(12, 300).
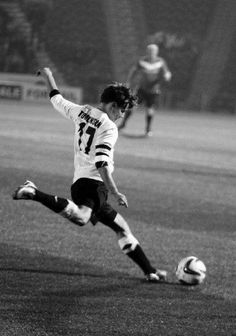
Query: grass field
point(59, 279)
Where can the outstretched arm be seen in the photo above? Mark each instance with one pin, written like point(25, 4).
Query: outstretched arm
point(49, 79)
point(62, 105)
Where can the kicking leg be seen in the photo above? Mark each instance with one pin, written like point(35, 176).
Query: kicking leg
point(62, 206)
point(132, 248)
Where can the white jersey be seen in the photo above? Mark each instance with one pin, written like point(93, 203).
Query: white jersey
point(151, 74)
point(94, 139)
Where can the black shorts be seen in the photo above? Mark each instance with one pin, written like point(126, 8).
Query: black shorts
point(147, 98)
point(93, 194)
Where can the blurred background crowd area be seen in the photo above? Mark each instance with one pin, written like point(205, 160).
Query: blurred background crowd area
point(89, 43)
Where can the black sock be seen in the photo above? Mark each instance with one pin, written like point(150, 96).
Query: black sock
point(126, 117)
point(139, 257)
point(148, 122)
point(54, 203)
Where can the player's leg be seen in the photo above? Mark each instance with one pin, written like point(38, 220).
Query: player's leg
point(150, 100)
point(128, 243)
point(79, 215)
point(149, 119)
point(129, 112)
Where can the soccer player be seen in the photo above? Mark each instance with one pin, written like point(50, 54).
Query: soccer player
point(146, 78)
point(94, 140)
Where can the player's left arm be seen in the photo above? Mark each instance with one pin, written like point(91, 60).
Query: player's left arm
point(109, 182)
point(104, 148)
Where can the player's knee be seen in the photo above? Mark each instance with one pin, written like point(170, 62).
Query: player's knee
point(121, 226)
point(150, 111)
point(128, 243)
point(75, 215)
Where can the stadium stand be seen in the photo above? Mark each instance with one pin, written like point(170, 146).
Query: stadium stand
point(178, 16)
point(17, 55)
point(75, 37)
point(126, 33)
point(90, 43)
point(214, 55)
point(225, 99)
point(180, 20)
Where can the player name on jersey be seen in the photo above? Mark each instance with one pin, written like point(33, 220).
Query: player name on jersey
point(95, 122)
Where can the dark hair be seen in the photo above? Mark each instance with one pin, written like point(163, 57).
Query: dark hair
point(120, 94)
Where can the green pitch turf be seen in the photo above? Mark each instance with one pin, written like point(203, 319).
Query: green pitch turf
point(59, 279)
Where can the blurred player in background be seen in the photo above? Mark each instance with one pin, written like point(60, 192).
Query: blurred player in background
point(146, 78)
point(94, 140)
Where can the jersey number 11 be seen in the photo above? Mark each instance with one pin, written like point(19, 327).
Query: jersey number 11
point(90, 131)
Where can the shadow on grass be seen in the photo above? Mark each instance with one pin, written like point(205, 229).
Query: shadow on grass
point(20, 260)
point(134, 136)
point(62, 296)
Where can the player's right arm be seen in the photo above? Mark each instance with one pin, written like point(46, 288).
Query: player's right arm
point(62, 105)
point(104, 161)
point(106, 175)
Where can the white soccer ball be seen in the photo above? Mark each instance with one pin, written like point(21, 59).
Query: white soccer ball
point(191, 271)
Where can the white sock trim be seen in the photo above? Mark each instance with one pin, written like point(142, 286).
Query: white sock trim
point(72, 213)
point(128, 243)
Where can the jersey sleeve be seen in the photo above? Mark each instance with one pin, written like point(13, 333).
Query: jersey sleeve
point(104, 146)
point(65, 107)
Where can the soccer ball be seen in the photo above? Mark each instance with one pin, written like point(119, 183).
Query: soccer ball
point(191, 271)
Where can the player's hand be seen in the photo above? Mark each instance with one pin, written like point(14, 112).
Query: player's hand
point(168, 76)
point(45, 72)
point(121, 200)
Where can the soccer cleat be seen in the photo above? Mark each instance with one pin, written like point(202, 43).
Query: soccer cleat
point(158, 276)
point(149, 134)
point(25, 191)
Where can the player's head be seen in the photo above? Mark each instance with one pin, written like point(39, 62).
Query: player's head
point(152, 51)
point(119, 98)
